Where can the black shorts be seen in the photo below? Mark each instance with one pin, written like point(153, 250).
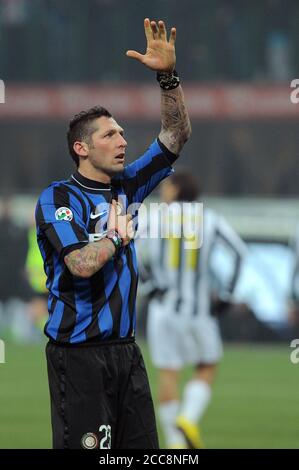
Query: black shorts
point(100, 397)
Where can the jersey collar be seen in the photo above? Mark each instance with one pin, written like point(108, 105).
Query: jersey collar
point(86, 183)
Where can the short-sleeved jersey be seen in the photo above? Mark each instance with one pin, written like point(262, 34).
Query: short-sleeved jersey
point(69, 215)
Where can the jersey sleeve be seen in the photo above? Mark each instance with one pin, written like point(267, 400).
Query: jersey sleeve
point(295, 274)
point(235, 245)
point(59, 218)
point(230, 237)
point(145, 173)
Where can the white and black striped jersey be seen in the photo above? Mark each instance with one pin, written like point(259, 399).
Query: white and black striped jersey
point(188, 275)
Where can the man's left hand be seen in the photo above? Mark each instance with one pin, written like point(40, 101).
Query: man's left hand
point(160, 53)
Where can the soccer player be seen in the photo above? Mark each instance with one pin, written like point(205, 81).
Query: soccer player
point(293, 312)
point(37, 305)
point(181, 327)
point(100, 396)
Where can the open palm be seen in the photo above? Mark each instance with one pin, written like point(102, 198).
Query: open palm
point(160, 53)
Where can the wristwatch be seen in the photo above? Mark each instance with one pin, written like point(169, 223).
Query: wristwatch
point(116, 239)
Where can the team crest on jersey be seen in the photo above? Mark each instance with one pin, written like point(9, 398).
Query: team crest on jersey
point(89, 441)
point(64, 213)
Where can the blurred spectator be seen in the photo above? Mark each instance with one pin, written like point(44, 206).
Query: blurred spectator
point(239, 175)
point(13, 245)
point(13, 20)
point(277, 39)
point(38, 303)
point(229, 45)
point(62, 40)
point(293, 313)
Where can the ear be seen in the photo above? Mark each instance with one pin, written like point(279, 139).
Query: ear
point(81, 148)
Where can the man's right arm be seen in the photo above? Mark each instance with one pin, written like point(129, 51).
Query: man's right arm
point(88, 260)
point(176, 127)
point(160, 56)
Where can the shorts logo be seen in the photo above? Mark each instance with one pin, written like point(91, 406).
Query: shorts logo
point(64, 213)
point(89, 441)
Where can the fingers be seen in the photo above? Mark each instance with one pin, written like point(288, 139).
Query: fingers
point(155, 30)
point(162, 31)
point(148, 30)
point(172, 36)
point(135, 55)
point(152, 31)
point(112, 215)
point(126, 229)
point(129, 234)
point(113, 207)
point(124, 224)
point(130, 230)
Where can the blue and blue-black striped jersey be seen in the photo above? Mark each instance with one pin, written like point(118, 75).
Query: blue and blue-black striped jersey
point(74, 212)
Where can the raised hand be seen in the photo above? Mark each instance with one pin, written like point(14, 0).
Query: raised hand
point(160, 52)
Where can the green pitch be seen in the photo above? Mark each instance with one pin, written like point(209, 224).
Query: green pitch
point(254, 405)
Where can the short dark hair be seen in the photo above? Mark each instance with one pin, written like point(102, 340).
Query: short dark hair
point(186, 184)
point(81, 128)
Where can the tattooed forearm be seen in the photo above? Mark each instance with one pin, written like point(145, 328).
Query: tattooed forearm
point(176, 127)
point(90, 259)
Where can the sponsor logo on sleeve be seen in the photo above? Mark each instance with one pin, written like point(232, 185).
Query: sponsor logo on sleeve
point(64, 213)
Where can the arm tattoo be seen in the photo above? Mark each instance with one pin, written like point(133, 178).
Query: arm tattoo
point(176, 127)
point(88, 260)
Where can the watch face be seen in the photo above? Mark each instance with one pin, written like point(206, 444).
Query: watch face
point(117, 241)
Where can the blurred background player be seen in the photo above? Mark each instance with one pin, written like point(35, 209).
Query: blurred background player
point(34, 266)
point(13, 245)
point(182, 327)
point(293, 312)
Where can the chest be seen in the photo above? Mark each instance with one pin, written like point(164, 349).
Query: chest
point(98, 211)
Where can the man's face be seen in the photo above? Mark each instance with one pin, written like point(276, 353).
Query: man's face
point(106, 151)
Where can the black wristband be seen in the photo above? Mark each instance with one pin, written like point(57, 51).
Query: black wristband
point(168, 80)
point(116, 239)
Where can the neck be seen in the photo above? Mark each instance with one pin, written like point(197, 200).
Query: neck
point(95, 175)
